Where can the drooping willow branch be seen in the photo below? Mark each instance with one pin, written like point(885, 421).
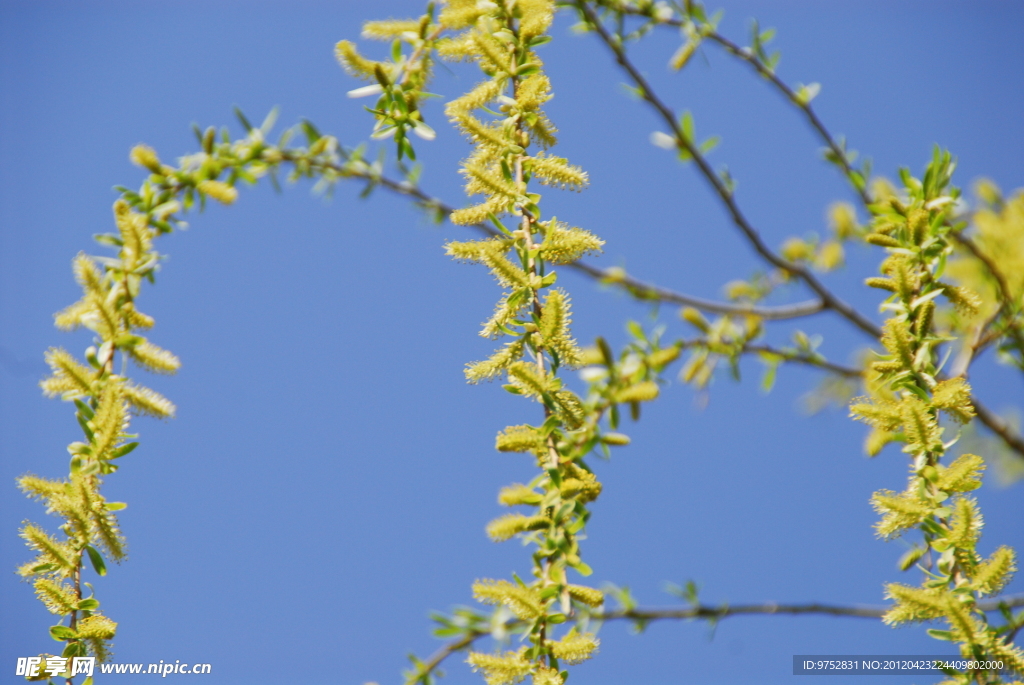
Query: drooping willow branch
point(905, 403)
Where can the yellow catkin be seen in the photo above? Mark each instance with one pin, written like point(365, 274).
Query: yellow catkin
point(154, 358)
point(993, 574)
point(963, 475)
point(517, 494)
point(59, 598)
point(389, 29)
point(524, 602)
point(497, 363)
point(588, 595)
point(574, 648)
point(218, 190)
point(500, 669)
point(644, 391)
point(507, 526)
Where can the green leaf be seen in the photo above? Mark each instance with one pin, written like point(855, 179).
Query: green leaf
point(768, 380)
point(312, 134)
point(123, 450)
point(108, 239)
point(89, 604)
point(583, 569)
point(85, 409)
point(116, 506)
point(710, 144)
point(62, 633)
point(96, 558)
point(941, 634)
point(241, 118)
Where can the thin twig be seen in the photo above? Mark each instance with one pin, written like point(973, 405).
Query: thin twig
point(828, 299)
point(816, 361)
point(430, 665)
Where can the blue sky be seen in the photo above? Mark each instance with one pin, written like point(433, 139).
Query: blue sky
point(326, 482)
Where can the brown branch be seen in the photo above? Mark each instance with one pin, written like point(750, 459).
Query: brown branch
point(994, 423)
point(828, 299)
point(772, 608)
point(706, 612)
point(812, 118)
point(816, 361)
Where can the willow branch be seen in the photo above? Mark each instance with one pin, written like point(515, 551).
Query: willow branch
point(808, 360)
point(769, 75)
point(637, 288)
point(708, 612)
point(812, 118)
point(771, 608)
point(828, 299)
point(650, 292)
point(994, 423)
